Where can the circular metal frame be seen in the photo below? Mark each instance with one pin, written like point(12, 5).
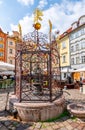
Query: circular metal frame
point(38, 76)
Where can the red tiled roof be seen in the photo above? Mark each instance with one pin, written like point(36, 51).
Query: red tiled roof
point(66, 32)
point(2, 31)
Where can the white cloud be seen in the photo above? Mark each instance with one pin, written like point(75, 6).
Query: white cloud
point(26, 2)
point(61, 15)
point(26, 25)
point(42, 4)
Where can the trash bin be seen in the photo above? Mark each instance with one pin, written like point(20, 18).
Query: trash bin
point(65, 87)
point(83, 88)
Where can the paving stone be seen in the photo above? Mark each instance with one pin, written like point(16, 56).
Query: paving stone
point(69, 127)
point(36, 129)
point(26, 126)
point(20, 128)
point(55, 127)
point(44, 129)
point(46, 124)
point(1, 113)
point(75, 128)
point(13, 128)
point(63, 128)
point(80, 127)
point(83, 128)
point(38, 125)
point(43, 126)
point(48, 128)
point(10, 127)
point(61, 124)
point(65, 123)
point(3, 128)
point(51, 124)
point(69, 121)
point(30, 128)
point(74, 124)
point(16, 124)
point(7, 123)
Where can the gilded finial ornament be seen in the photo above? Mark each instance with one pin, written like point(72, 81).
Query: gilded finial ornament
point(37, 17)
point(20, 29)
point(50, 25)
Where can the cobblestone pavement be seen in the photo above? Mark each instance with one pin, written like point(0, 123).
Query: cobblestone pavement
point(7, 122)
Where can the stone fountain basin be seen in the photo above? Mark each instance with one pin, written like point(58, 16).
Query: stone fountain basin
point(37, 111)
point(77, 110)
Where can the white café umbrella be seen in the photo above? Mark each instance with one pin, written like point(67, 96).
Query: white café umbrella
point(7, 73)
point(6, 66)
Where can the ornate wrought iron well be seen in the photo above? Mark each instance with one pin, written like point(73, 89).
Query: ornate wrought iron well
point(37, 69)
point(38, 79)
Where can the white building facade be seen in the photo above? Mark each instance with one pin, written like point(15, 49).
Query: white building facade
point(77, 44)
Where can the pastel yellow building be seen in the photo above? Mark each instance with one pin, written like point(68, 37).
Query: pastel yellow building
point(65, 53)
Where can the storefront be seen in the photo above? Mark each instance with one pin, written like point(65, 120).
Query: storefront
point(79, 74)
point(76, 76)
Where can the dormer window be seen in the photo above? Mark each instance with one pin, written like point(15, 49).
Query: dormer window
point(82, 20)
point(74, 25)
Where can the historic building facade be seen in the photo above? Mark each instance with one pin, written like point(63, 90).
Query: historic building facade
point(3, 39)
point(10, 50)
point(11, 47)
point(72, 48)
point(77, 44)
point(64, 53)
point(77, 47)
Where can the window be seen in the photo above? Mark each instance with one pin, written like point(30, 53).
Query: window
point(10, 51)
point(71, 36)
point(63, 45)
point(72, 48)
point(11, 43)
point(82, 44)
point(77, 60)
point(1, 45)
point(10, 61)
point(1, 39)
point(1, 53)
point(74, 25)
point(72, 61)
point(83, 59)
point(82, 31)
point(82, 20)
point(76, 34)
point(77, 47)
point(79, 32)
point(64, 59)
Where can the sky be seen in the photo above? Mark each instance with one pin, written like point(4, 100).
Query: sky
point(61, 13)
